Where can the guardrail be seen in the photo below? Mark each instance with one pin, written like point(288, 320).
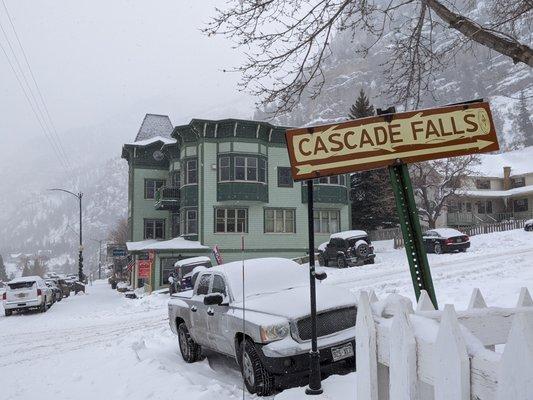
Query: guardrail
point(405, 354)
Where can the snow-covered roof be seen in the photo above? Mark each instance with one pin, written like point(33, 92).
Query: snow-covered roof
point(263, 275)
point(136, 246)
point(520, 161)
point(447, 232)
point(152, 140)
point(499, 193)
point(178, 243)
point(348, 234)
point(26, 279)
point(192, 260)
point(154, 125)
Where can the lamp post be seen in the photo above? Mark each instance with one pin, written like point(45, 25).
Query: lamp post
point(99, 256)
point(80, 256)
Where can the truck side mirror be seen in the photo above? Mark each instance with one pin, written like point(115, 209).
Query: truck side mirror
point(213, 299)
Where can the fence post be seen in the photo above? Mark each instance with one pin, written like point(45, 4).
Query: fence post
point(515, 379)
point(477, 300)
point(365, 345)
point(402, 358)
point(424, 302)
point(524, 300)
point(452, 365)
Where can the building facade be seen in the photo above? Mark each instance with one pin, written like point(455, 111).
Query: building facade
point(225, 182)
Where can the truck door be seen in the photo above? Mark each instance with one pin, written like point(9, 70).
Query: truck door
point(198, 311)
point(217, 319)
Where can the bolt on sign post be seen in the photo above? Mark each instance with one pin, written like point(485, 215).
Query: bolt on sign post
point(392, 140)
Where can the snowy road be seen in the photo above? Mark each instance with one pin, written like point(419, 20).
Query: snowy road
point(101, 345)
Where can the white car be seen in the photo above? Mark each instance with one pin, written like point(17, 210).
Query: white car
point(27, 293)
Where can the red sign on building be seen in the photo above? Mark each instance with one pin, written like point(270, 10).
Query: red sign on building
point(145, 267)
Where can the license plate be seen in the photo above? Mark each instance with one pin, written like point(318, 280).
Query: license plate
point(342, 352)
point(21, 304)
point(21, 295)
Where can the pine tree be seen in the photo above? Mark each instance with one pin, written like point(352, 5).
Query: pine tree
point(26, 270)
point(3, 272)
point(361, 108)
point(39, 268)
point(373, 204)
point(524, 127)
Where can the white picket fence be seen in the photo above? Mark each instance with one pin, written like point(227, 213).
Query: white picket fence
point(425, 354)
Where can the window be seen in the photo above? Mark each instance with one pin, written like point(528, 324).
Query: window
point(482, 183)
point(151, 186)
point(219, 285)
point(489, 207)
point(231, 220)
point(284, 177)
point(175, 180)
point(191, 172)
point(250, 169)
point(189, 221)
point(468, 207)
point(203, 285)
point(329, 180)
point(167, 267)
point(154, 228)
point(481, 209)
point(279, 221)
point(327, 221)
point(518, 182)
point(223, 169)
point(520, 205)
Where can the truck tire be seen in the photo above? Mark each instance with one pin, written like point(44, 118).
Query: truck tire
point(437, 248)
point(8, 312)
point(256, 378)
point(190, 350)
point(43, 306)
point(341, 262)
point(363, 250)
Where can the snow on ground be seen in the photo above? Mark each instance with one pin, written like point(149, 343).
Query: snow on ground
point(101, 345)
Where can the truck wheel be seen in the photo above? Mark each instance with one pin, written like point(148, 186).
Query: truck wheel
point(8, 312)
point(256, 378)
point(43, 306)
point(190, 350)
point(322, 260)
point(437, 249)
point(341, 262)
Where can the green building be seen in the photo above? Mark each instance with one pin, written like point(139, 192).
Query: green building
point(216, 182)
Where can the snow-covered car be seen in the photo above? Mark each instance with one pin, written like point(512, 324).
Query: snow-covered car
point(528, 225)
point(27, 293)
point(187, 269)
point(57, 293)
point(445, 240)
point(271, 338)
point(347, 249)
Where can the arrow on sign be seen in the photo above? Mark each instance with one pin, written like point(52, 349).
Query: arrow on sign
point(308, 168)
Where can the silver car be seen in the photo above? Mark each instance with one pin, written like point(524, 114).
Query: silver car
point(27, 293)
point(268, 329)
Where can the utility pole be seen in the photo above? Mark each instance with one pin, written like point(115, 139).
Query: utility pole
point(99, 241)
point(80, 253)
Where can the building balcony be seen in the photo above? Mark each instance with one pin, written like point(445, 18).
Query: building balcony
point(334, 194)
point(471, 218)
point(167, 198)
point(244, 191)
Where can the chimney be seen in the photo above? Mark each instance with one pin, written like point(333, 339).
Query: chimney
point(506, 178)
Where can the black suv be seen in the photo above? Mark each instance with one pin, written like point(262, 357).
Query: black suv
point(347, 249)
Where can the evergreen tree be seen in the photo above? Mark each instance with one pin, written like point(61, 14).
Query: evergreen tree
point(26, 270)
point(373, 204)
point(39, 268)
point(524, 127)
point(3, 272)
point(361, 108)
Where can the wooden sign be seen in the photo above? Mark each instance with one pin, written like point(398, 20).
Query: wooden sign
point(376, 142)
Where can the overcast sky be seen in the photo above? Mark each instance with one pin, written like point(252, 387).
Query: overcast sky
point(102, 59)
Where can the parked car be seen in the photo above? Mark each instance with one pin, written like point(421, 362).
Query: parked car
point(347, 249)
point(187, 270)
point(273, 348)
point(63, 285)
point(445, 240)
point(56, 291)
point(27, 293)
point(528, 225)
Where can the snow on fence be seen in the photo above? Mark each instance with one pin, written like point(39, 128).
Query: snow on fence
point(494, 227)
point(443, 355)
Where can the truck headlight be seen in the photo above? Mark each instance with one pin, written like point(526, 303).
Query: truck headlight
point(274, 332)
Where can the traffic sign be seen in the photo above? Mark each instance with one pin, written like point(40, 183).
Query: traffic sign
point(380, 141)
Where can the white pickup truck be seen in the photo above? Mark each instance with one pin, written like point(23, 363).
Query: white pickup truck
point(265, 324)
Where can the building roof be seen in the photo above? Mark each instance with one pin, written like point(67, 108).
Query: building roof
point(152, 140)
point(520, 161)
point(178, 243)
point(154, 125)
point(498, 193)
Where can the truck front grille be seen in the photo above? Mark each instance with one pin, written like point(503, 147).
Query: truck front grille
point(327, 322)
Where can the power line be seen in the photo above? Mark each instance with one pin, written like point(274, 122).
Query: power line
point(61, 148)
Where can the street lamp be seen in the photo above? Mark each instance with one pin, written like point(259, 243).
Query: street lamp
point(99, 256)
point(80, 257)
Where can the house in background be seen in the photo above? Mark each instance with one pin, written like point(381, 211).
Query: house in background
point(214, 182)
point(501, 190)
